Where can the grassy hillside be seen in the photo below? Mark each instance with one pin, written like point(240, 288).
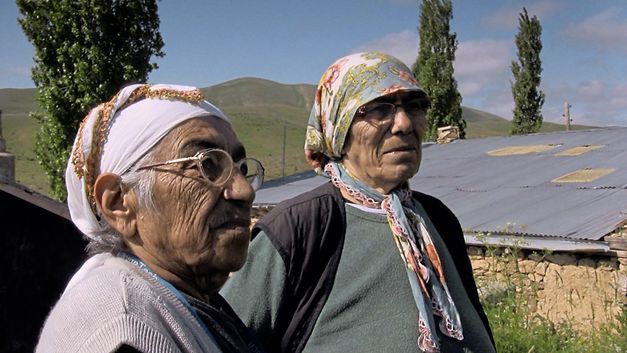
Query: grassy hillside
point(484, 124)
point(17, 102)
point(18, 130)
point(261, 110)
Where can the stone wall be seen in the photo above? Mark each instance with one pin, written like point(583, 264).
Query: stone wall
point(585, 291)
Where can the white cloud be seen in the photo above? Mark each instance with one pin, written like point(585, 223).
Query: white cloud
point(468, 88)
point(403, 45)
point(481, 57)
point(483, 76)
point(402, 2)
point(592, 103)
point(15, 77)
point(620, 90)
point(499, 102)
point(15, 71)
point(605, 29)
point(23, 70)
point(480, 63)
point(619, 96)
point(507, 17)
point(590, 89)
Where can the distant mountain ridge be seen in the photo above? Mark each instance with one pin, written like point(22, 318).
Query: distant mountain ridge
point(255, 91)
point(269, 117)
point(241, 92)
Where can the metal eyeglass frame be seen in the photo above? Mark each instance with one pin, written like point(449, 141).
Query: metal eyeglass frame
point(392, 110)
point(255, 180)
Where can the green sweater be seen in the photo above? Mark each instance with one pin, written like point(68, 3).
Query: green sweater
point(369, 309)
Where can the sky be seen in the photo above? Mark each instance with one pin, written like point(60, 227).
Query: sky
point(584, 55)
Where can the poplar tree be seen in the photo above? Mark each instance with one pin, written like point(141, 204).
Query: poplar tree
point(85, 51)
point(528, 98)
point(434, 67)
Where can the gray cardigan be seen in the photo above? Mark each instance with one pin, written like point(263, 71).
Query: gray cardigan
point(110, 302)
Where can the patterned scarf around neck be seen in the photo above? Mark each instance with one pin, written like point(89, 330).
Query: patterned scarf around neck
point(415, 245)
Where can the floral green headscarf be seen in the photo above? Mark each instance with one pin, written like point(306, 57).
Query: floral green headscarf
point(346, 85)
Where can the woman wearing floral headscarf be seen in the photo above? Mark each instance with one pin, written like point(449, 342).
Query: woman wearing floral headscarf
point(362, 263)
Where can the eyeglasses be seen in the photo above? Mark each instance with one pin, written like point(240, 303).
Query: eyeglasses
point(216, 167)
point(382, 113)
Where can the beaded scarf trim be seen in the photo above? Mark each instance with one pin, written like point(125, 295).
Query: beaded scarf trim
point(87, 166)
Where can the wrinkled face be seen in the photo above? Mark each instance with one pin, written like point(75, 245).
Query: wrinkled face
point(198, 232)
point(382, 150)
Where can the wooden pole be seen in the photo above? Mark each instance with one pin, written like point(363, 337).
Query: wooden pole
point(283, 161)
point(3, 145)
point(567, 115)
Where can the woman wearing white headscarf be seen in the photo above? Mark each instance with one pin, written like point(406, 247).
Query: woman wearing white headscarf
point(161, 187)
point(362, 263)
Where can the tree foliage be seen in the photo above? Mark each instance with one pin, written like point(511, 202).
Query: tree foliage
point(85, 51)
point(434, 67)
point(528, 98)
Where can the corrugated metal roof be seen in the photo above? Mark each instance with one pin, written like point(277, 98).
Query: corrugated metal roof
point(514, 194)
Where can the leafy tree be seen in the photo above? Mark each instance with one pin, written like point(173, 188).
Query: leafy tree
point(434, 67)
point(85, 51)
point(528, 98)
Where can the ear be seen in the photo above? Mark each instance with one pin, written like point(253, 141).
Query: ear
point(316, 160)
point(116, 206)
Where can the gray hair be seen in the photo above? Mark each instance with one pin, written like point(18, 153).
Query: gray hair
point(140, 182)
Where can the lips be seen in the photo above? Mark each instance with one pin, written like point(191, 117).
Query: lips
point(234, 224)
point(236, 230)
point(399, 149)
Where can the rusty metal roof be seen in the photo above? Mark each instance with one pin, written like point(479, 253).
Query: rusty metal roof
point(518, 192)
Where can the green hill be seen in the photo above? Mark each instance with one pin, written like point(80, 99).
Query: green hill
point(261, 110)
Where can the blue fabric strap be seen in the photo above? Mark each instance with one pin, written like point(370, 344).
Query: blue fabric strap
point(180, 296)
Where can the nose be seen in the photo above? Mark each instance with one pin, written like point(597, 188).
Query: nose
point(402, 122)
point(239, 189)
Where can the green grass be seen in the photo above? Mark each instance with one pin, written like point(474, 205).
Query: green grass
point(19, 135)
point(17, 102)
point(518, 329)
point(261, 130)
point(258, 108)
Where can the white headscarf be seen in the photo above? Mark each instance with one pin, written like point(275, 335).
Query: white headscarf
point(116, 134)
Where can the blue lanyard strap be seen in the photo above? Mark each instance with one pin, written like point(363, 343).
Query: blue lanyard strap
point(181, 297)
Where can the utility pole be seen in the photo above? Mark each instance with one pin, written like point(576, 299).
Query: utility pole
point(7, 160)
point(566, 115)
point(3, 145)
point(283, 161)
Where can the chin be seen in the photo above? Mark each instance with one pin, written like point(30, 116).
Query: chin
point(236, 260)
point(402, 173)
point(214, 283)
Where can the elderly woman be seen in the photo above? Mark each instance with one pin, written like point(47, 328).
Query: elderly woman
point(160, 185)
point(362, 263)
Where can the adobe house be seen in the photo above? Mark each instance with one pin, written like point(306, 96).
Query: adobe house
point(40, 250)
point(558, 201)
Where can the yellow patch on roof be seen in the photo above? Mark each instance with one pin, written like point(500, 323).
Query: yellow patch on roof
point(578, 150)
point(517, 150)
point(584, 175)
